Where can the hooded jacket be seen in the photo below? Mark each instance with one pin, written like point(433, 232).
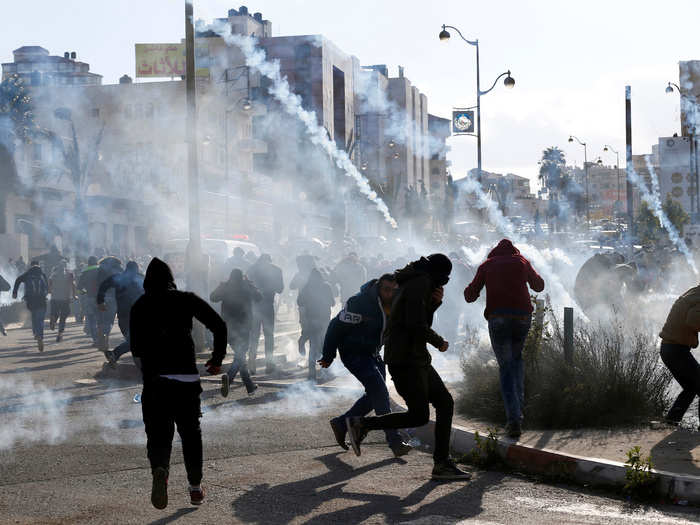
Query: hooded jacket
point(237, 296)
point(409, 326)
point(358, 327)
point(161, 326)
point(266, 277)
point(88, 280)
point(128, 287)
point(36, 276)
point(316, 298)
point(683, 321)
point(506, 274)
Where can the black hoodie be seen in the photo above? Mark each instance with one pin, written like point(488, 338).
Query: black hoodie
point(161, 326)
point(409, 325)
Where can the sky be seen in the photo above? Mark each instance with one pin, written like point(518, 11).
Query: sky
point(571, 60)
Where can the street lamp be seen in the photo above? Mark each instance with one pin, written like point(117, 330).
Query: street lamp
point(607, 148)
point(585, 169)
point(691, 127)
point(509, 82)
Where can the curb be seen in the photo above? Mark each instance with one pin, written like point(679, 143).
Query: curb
point(581, 469)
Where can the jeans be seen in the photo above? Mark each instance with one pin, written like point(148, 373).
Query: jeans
point(263, 314)
point(90, 311)
point(60, 310)
point(166, 403)
point(239, 341)
point(508, 336)
point(106, 319)
point(420, 386)
point(315, 332)
point(686, 370)
point(38, 316)
point(371, 372)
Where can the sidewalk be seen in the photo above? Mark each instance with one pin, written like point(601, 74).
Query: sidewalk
point(590, 456)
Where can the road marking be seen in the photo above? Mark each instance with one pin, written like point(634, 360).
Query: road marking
point(600, 511)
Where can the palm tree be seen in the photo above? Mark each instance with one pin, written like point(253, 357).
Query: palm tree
point(552, 174)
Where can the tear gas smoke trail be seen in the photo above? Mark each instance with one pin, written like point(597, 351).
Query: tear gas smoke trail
point(280, 90)
point(655, 190)
point(502, 224)
point(540, 260)
point(655, 205)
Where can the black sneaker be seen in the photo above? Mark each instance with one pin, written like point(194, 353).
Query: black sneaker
point(513, 430)
point(224, 385)
point(40, 343)
point(252, 392)
point(357, 432)
point(447, 470)
point(159, 490)
point(400, 449)
point(111, 358)
point(339, 433)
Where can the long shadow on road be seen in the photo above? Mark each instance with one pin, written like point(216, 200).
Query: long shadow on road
point(286, 502)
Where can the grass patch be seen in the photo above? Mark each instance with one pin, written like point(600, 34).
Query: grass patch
point(615, 379)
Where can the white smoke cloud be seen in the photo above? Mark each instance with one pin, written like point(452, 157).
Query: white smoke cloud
point(291, 104)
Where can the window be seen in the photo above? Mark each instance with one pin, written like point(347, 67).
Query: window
point(149, 110)
point(128, 111)
point(95, 112)
point(138, 111)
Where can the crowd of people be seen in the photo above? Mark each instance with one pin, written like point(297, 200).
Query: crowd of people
point(381, 304)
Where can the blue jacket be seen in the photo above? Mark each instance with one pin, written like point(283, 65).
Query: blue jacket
point(358, 327)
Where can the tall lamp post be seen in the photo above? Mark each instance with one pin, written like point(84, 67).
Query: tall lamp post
point(692, 101)
point(607, 148)
point(509, 82)
point(585, 169)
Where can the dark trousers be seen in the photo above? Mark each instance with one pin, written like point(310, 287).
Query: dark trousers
point(686, 370)
point(60, 310)
point(38, 317)
point(239, 341)
point(316, 332)
point(420, 386)
point(371, 372)
point(166, 403)
point(125, 346)
point(263, 315)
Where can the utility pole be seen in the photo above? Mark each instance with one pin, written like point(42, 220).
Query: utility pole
point(195, 268)
point(630, 166)
point(195, 244)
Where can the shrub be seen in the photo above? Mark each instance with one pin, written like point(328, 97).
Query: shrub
point(616, 379)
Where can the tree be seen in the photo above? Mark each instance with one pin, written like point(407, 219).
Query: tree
point(16, 104)
point(649, 228)
point(676, 214)
point(552, 174)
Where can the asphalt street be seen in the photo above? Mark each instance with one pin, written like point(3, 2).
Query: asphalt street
point(72, 450)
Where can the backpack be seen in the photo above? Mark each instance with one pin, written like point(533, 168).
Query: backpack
point(35, 286)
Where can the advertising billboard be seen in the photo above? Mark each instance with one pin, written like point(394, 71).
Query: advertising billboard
point(168, 60)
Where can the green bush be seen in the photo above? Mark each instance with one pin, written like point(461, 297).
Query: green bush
point(616, 379)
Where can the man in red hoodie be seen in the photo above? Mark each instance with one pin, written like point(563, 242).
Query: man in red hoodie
point(506, 274)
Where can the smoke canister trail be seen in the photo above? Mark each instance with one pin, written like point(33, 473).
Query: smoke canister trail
point(541, 261)
point(483, 202)
point(291, 103)
point(655, 205)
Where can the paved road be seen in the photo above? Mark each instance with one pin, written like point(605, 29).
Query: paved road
point(74, 452)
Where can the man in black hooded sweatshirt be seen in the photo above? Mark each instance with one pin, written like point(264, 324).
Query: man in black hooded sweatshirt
point(162, 345)
point(408, 331)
